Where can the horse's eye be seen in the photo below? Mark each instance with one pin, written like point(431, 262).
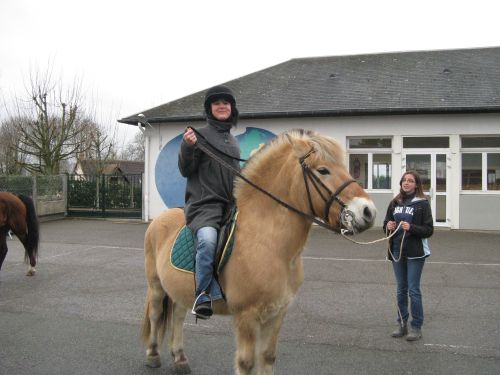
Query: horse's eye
point(323, 171)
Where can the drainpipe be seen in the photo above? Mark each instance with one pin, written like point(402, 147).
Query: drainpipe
point(147, 140)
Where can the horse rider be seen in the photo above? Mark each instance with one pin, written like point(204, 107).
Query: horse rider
point(209, 189)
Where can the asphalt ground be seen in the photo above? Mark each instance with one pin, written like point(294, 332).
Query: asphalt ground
point(81, 313)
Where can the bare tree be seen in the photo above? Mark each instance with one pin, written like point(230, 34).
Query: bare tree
point(135, 149)
point(10, 159)
point(97, 145)
point(51, 123)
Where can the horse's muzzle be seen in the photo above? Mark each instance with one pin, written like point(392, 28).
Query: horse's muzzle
point(358, 216)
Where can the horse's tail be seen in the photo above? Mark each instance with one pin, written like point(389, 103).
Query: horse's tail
point(162, 322)
point(33, 228)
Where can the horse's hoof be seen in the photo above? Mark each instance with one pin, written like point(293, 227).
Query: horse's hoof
point(153, 361)
point(182, 369)
point(31, 272)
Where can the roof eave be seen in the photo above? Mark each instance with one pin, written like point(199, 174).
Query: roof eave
point(328, 113)
point(135, 120)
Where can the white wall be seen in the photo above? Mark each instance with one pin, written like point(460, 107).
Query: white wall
point(342, 127)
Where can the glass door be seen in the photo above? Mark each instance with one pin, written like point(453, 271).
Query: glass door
point(432, 168)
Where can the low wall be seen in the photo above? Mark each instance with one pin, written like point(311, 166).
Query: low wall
point(50, 207)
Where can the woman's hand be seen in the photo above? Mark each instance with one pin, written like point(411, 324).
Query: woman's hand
point(391, 225)
point(405, 226)
point(190, 137)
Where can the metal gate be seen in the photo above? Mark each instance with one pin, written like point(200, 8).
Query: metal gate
point(105, 195)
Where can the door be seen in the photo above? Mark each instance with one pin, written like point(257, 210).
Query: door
point(433, 169)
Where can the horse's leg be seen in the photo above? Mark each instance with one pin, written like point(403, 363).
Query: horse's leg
point(32, 262)
point(246, 331)
point(3, 246)
point(23, 237)
point(269, 342)
point(31, 267)
point(154, 324)
point(176, 339)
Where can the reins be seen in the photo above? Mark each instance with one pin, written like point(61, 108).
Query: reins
point(215, 148)
point(308, 176)
point(257, 187)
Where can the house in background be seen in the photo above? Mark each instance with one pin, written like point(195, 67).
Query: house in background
point(119, 169)
point(437, 112)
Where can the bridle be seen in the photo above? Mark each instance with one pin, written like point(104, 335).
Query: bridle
point(346, 216)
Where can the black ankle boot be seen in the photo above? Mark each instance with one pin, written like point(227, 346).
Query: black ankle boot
point(401, 331)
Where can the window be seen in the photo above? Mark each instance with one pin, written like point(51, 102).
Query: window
point(370, 161)
point(471, 172)
point(481, 163)
point(426, 142)
point(381, 171)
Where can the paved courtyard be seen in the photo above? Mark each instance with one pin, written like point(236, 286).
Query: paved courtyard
point(81, 313)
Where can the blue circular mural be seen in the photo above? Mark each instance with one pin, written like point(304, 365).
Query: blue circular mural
point(169, 182)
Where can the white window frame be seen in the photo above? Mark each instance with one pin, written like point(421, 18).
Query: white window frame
point(484, 169)
point(370, 152)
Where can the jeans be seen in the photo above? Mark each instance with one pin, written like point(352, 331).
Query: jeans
point(408, 273)
point(204, 267)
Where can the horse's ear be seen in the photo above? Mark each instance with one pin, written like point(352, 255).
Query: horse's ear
point(300, 146)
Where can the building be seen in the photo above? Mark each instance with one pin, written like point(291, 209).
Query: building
point(437, 112)
point(108, 167)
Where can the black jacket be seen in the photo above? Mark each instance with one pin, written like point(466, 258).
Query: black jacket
point(209, 188)
point(418, 213)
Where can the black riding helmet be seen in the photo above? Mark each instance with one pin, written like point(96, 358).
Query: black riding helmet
point(221, 92)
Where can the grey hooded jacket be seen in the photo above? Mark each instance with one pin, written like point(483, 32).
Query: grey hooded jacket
point(209, 189)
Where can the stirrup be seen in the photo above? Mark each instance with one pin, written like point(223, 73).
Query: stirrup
point(195, 305)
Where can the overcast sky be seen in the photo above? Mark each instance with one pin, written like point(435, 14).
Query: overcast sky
point(135, 55)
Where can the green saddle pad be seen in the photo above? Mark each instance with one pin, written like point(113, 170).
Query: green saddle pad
point(182, 254)
point(183, 250)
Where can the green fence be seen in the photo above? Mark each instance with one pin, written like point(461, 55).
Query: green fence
point(105, 195)
point(48, 192)
point(18, 184)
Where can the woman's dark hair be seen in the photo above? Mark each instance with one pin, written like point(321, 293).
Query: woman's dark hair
point(419, 191)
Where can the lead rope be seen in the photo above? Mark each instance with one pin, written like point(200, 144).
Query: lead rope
point(387, 237)
point(397, 261)
point(344, 231)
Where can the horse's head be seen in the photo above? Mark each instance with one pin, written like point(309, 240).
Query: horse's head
point(329, 190)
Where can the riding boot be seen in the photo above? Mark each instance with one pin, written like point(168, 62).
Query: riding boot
point(202, 309)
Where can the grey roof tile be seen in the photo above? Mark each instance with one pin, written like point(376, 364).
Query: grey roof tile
point(464, 80)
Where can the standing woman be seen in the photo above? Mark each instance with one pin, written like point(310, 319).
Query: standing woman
point(408, 249)
point(209, 189)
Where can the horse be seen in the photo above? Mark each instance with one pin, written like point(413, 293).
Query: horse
point(265, 270)
point(18, 215)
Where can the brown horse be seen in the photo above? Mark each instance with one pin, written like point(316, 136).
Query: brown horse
point(265, 269)
point(17, 214)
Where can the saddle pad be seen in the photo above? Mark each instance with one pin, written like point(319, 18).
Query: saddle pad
point(183, 250)
point(182, 254)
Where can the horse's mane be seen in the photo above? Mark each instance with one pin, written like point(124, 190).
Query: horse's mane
point(325, 148)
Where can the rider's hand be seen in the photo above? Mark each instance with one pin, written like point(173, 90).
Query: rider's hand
point(190, 137)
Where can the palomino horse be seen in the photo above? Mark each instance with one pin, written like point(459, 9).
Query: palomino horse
point(17, 214)
point(265, 269)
